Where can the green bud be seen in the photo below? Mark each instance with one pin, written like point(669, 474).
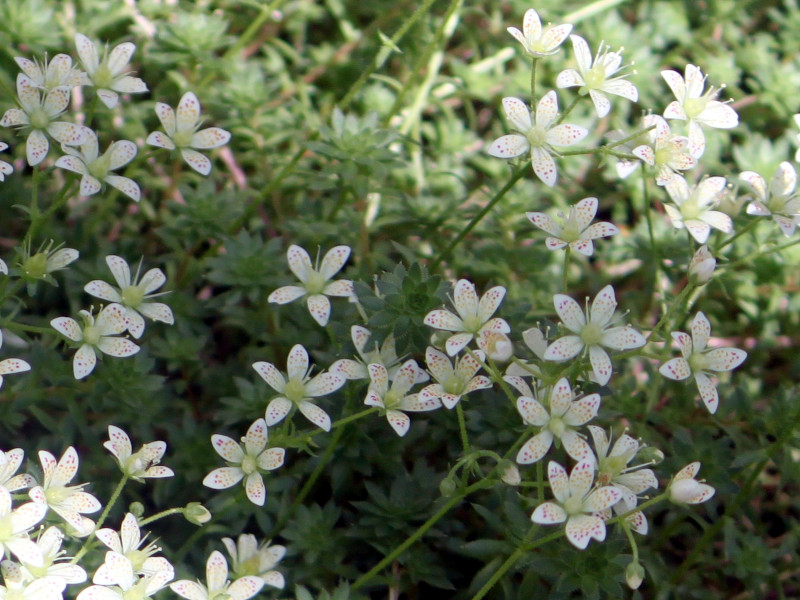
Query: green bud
point(447, 487)
point(650, 454)
point(136, 509)
point(634, 575)
point(196, 513)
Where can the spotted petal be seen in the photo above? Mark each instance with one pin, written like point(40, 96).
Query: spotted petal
point(535, 448)
point(315, 414)
point(509, 146)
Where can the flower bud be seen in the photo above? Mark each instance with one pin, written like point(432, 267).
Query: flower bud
point(634, 575)
point(651, 455)
point(196, 513)
point(685, 489)
point(447, 487)
point(702, 266)
point(510, 474)
point(136, 509)
point(496, 344)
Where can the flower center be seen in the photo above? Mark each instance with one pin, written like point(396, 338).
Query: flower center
point(571, 231)
point(103, 78)
point(183, 138)
point(665, 155)
point(596, 76)
point(611, 466)
point(57, 495)
point(315, 283)
point(472, 324)
point(100, 167)
point(591, 334)
point(698, 362)
point(38, 118)
point(690, 208)
point(537, 136)
point(453, 385)
point(573, 505)
point(249, 464)
point(91, 335)
point(295, 390)
point(557, 426)
point(392, 399)
point(132, 296)
point(35, 266)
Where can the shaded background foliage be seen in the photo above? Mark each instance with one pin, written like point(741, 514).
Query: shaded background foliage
point(299, 170)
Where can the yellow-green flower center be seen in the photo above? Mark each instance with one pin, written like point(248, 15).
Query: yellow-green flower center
point(695, 106)
point(571, 231)
point(573, 505)
point(698, 362)
point(591, 334)
point(35, 266)
point(690, 209)
point(537, 136)
point(91, 335)
point(183, 138)
point(315, 284)
point(392, 399)
point(557, 426)
point(453, 385)
point(132, 296)
point(295, 390)
point(57, 495)
point(472, 324)
point(103, 78)
point(665, 155)
point(100, 167)
point(249, 464)
point(611, 466)
point(596, 77)
point(39, 119)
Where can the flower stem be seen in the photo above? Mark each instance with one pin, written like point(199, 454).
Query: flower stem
point(462, 428)
point(103, 516)
point(422, 530)
point(569, 109)
point(534, 61)
point(516, 176)
point(164, 513)
point(566, 268)
point(746, 229)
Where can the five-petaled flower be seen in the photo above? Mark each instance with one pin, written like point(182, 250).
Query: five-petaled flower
point(452, 382)
point(537, 41)
point(219, 586)
point(597, 79)
point(128, 542)
point(592, 332)
point(56, 72)
point(696, 107)
point(139, 465)
point(315, 281)
point(474, 316)
point(566, 413)
point(694, 207)
point(779, 200)
point(110, 75)
point(697, 360)
point(38, 113)
point(297, 388)
point(245, 461)
point(116, 579)
point(180, 131)
point(94, 168)
point(69, 501)
point(385, 355)
point(96, 336)
point(665, 152)
point(576, 232)
point(685, 489)
point(10, 462)
point(538, 133)
point(248, 557)
point(395, 401)
point(576, 503)
point(132, 294)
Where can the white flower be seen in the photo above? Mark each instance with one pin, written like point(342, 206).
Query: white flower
point(127, 543)
point(110, 75)
point(538, 133)
point(118, 572)
point(132, 294)
point(385, 355)
point(566, 414)
point(98, 336)
point(94, 168)
point(453, 382)
point(38, 113)
point(613, 469)
point(7, 367)
point(245, 461)
point(181, 132)
point(55, 562)
point(46, 261)
point(70, 502)
point(666, 152)
point(297, 388)
point(315, 281)
point(597, 80)
point(394, 400)
point(696, 359)
point(56, 72)
point(140, 465)
point(248, 557)
point(696, 107)
point(14, 527)
point(685, 489)
point(702, 265)
point(779, 200)
point(539, 42)
point(576, 503)
point(218, 586)
point(576, 231)
point(21, 587)
point(5, 169)
point(694, 207)
point(592, 332)
point(10, 462)
point(474, 316)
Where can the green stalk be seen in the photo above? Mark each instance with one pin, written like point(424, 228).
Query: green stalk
point(103, 516)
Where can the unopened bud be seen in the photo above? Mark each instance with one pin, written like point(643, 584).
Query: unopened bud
point(510, 474)
point(196, 513)
point(702, 266)
point(447, 487)
point(497, 345)
point(136, 509)
point(651, 455)
point(634, 575)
